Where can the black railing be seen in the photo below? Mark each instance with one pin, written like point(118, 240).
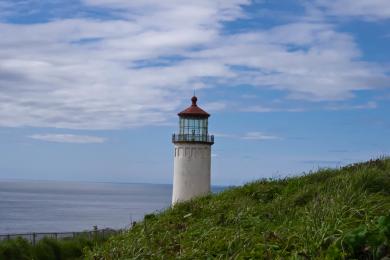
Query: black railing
point(192, 138)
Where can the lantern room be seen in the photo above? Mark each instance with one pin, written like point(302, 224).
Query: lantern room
point(193, 125)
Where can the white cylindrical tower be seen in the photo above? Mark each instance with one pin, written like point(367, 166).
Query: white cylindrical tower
point(192, 162)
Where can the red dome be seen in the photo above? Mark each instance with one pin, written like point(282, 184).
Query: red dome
point(194, 110)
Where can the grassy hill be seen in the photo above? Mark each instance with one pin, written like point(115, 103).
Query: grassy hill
point(333, 214)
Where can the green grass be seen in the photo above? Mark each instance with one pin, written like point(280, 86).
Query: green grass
point(330, 214)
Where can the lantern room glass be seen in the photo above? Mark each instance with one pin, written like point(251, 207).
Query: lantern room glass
point(194, 126)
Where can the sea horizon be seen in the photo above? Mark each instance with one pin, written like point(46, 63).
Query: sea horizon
point(39, 206)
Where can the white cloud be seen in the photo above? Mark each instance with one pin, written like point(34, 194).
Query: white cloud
point(224, 135)
point(135, 69)
point(85, 73)
point(249, 136)
point(264, 109)
point(323, 65)
point(370, 9)
point(68, 138)
point(259, 136)
point(332, 106)
point(368, 105)
point(214, 106)
point(176, 12)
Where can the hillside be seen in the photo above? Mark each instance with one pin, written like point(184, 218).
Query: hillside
point(333, 213)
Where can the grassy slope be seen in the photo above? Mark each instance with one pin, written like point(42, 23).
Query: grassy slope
point(329, 214)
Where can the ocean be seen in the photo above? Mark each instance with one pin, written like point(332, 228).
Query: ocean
point(59, 206)
point(56, 206)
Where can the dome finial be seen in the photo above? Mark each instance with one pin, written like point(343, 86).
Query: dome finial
point(194, 99)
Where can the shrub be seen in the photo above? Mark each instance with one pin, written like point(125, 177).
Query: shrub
point(18, 249)
point(49, 248)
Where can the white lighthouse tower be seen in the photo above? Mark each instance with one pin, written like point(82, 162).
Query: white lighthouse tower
point(192, 163)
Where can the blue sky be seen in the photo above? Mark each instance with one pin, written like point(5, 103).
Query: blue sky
point(90, 89)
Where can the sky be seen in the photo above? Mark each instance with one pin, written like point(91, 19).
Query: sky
point(90, 89)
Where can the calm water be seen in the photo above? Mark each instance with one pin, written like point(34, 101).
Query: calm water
point(43, 206)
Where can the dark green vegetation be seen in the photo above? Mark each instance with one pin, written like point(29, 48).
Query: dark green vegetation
point(331, 214)
point(49, 248)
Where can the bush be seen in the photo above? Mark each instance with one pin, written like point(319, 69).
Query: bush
point(48, 248)
point(19, 249)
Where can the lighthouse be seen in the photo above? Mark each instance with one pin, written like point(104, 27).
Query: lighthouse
point(192, 154)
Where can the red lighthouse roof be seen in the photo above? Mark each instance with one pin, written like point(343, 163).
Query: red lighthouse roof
point(194, 110)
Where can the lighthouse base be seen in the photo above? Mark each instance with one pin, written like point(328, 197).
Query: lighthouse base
point(192, 166)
